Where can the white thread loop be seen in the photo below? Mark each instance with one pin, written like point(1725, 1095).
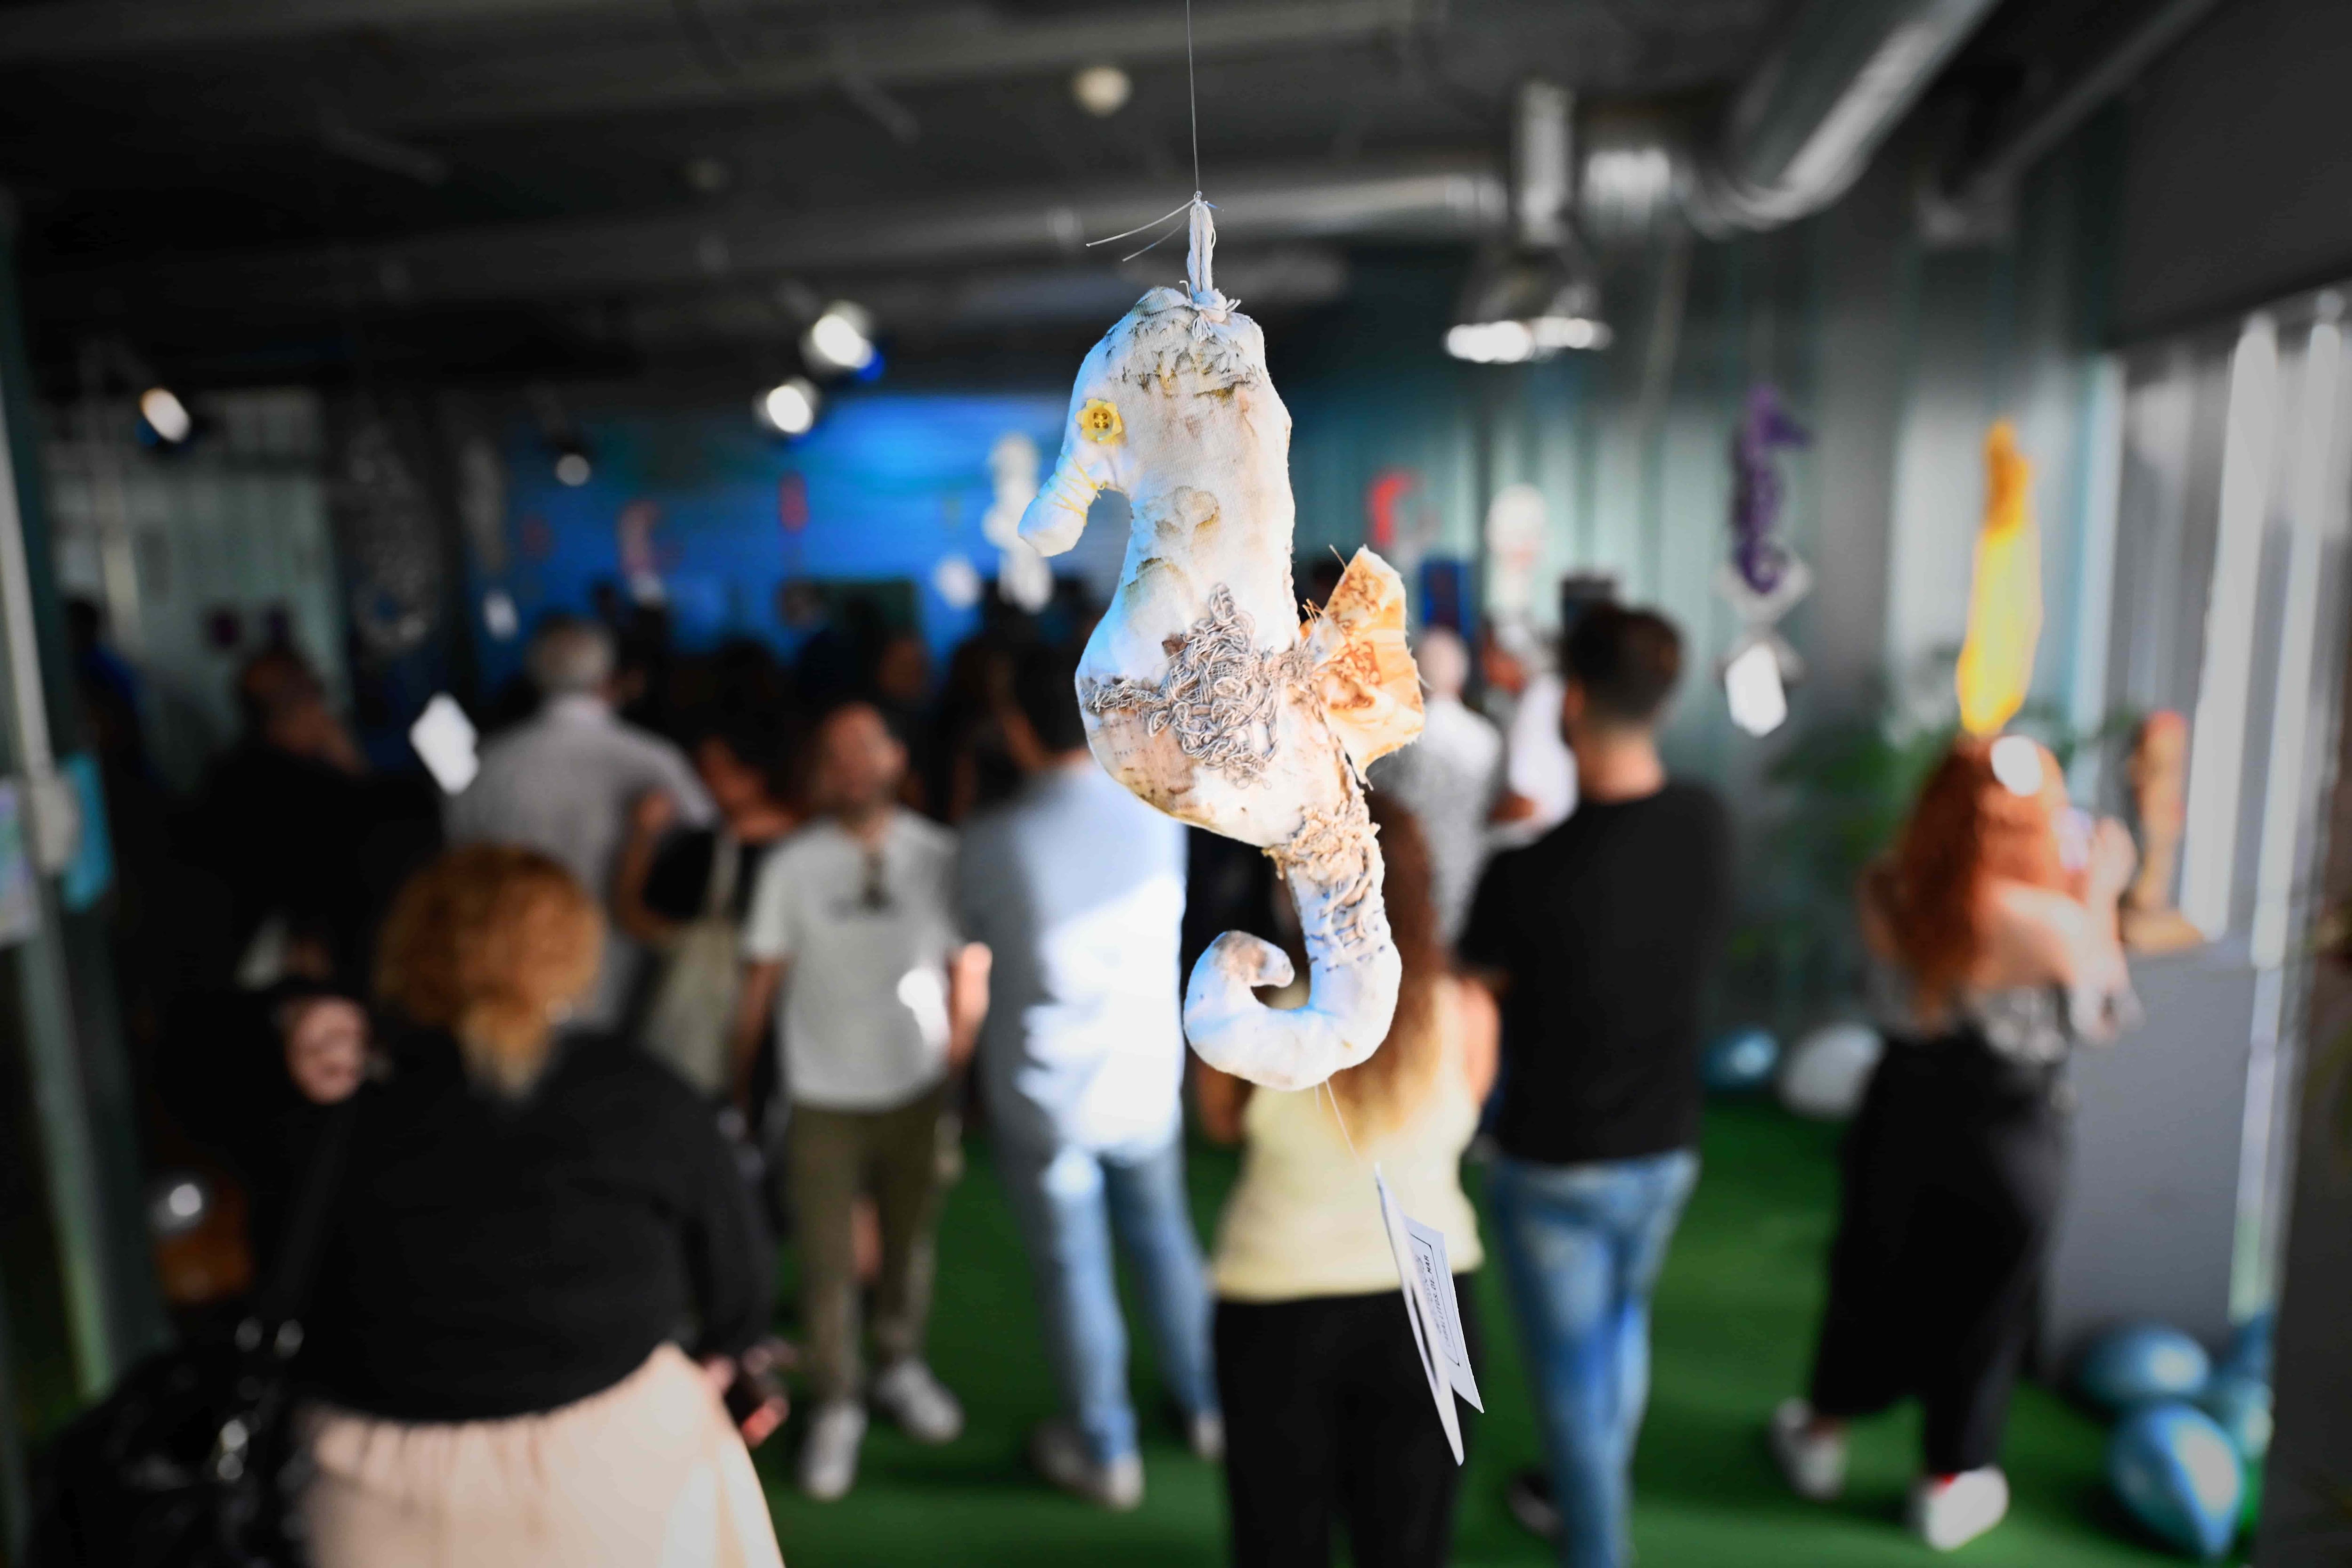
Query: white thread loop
point(1201, 259)
point(1175, 212)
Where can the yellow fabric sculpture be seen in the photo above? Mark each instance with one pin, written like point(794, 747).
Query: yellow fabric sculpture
point(2005, 598)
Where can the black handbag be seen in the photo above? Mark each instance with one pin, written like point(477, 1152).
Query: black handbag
point(193, 1460)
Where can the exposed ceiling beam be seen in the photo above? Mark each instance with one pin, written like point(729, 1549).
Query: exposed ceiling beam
point(909, 51)
point(1437, 199)
point(2115, 69)
point(60, 30)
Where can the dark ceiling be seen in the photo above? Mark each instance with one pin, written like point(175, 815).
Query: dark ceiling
point(210, 175)
point(520, 109)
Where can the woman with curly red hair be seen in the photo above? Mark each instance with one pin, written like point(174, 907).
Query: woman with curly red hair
point(540, 1267)
point(1992, 924)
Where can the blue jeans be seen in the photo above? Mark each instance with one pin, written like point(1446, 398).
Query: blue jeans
point(1069, 1202)
point(1581, 1246)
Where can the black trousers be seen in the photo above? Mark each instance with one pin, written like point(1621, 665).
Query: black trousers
point(1327, 1411)
point(1954, 1170)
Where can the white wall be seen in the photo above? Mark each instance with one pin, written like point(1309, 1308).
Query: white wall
point(236, 527)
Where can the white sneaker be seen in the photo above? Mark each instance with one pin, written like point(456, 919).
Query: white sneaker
point(829, 1452)
point(1814, 1463)
point(1956, 1510)
point(1204, 1434)
point(1061, 1455)
point(908, 1393)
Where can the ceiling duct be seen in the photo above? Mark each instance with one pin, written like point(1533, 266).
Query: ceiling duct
point(1535, 292)
point(1803, 126)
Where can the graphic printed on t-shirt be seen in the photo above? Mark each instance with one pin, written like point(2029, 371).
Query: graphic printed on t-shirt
point(866, 931)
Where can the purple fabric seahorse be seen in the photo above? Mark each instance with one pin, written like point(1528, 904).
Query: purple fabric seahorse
point(1765, 427)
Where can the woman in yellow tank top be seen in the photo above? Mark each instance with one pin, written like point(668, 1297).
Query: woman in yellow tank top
point(1327, 1409)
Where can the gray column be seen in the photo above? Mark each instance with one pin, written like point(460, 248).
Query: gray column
point(45, 1001)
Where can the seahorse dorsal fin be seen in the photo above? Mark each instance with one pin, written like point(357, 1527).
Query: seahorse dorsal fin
point(1363, 668)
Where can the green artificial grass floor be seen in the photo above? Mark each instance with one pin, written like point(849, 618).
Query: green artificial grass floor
point(1734, 1319)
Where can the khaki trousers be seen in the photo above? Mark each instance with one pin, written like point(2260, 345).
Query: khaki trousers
point(837, 1156)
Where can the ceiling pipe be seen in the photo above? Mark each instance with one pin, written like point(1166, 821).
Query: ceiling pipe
point(1803, 126)
point(1449, 200)
point(1543, 162)
point(50, 32)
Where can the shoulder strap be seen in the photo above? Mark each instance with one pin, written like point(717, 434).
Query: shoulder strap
point(726, 865)
point(285, 1294)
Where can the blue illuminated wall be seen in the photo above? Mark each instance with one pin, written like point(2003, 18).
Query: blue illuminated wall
point(886, 486)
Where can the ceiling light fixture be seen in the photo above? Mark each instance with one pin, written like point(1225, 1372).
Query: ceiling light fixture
point(1102, 90)
point(789, 407)
point(573, 469)
point(1538, 294)
point(1519, 307)
point(840, 340)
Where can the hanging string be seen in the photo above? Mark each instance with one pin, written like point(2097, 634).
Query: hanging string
point(1195, 210)
point(1192, 95)
point(1333, 1095)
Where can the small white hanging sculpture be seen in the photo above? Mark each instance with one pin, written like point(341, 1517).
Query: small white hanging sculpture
point(1022, 578)
point(1200, 692)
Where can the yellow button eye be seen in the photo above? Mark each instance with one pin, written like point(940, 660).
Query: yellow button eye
point(1099, 421)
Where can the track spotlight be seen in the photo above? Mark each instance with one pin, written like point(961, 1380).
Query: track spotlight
point(166, 416)
point(789, 407)
point(841, 340)
point(1522, 306)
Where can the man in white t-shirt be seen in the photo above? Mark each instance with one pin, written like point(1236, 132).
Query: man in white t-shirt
point(1077, 887)
point(854, 918)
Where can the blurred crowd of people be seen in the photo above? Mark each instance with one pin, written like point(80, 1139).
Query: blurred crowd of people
point(704, 953)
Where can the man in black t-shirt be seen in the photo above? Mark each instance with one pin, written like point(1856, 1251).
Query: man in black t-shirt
point(1598, 940)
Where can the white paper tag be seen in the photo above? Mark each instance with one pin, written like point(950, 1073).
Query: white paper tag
point(1440, 1305)
point(444, 737)
point(1432, 1311)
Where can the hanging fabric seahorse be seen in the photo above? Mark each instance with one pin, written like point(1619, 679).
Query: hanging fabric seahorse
point(1201, 693)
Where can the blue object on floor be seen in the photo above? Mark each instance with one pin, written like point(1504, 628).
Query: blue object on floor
point(2248, 1354)
point(2177, 1473)
point(1741, 1061)
point(2142, 1362)
point(2241, 1406)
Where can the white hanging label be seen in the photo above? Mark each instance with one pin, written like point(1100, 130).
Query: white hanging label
point(1431, 1306)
